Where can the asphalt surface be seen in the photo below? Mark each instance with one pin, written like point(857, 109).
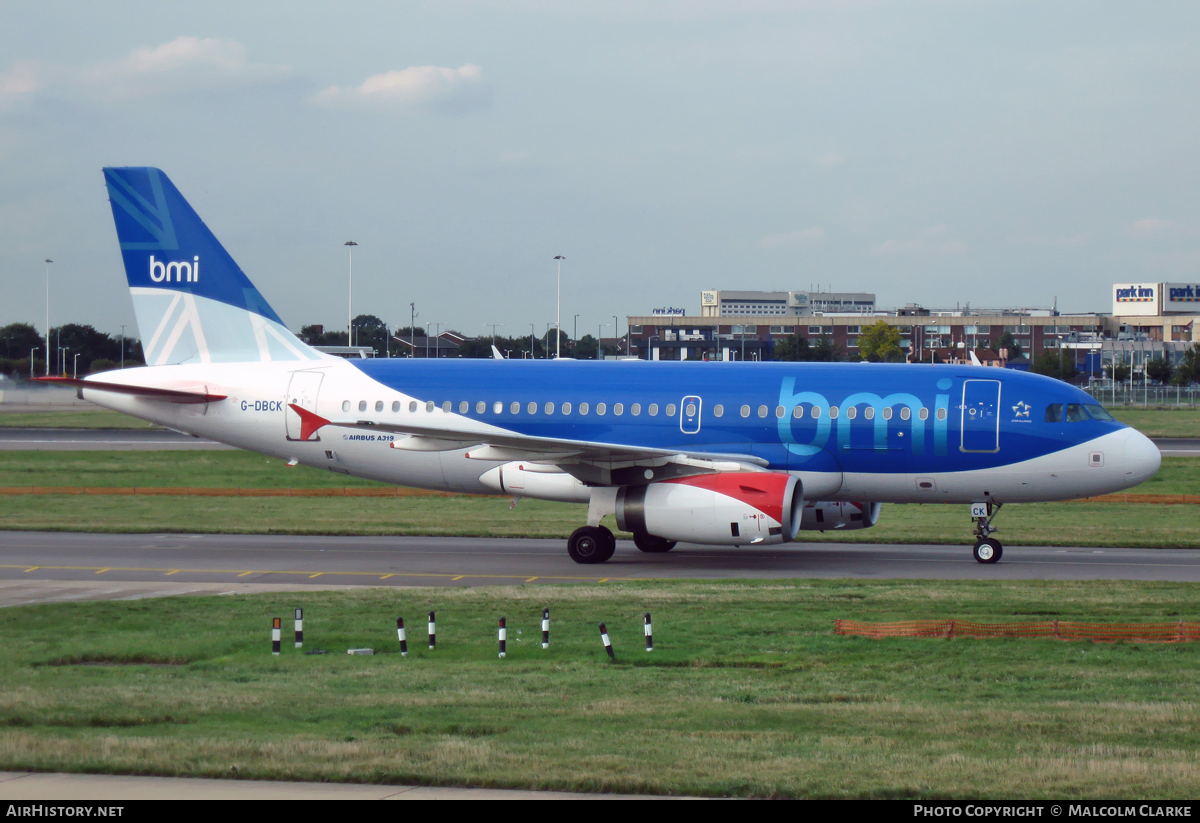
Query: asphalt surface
point(19, 439)
point(130, 566)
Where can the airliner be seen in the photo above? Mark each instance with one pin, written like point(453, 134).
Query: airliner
point(741, 454)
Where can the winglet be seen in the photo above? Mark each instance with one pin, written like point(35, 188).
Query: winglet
point(309, 422)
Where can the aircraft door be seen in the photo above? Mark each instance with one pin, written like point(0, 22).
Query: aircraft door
point(302, 390)
point(689, 415)
point(981, 416)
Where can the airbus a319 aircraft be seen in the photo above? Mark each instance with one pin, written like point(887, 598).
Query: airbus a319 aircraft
point(712, 453)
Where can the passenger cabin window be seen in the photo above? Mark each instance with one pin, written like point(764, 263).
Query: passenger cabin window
point(601, 408)
point(566, 408)
point(745, 411)
point(497, 407)
point(833, 412)
point(583, 408)
point(941, 414)
point(618, 409)
point(635, 409)
point(346, 405)
point(718, 410)
point(816, 412)
point(670, 410)
point(869, 412)
point(480, 407)
point(851, 413)
point(652, 410)
point(780, 411)
point(362, 405)
point(549, 408)
point(446, 406)
point(514, 408)
point(762, 411)
point(378, 405)
point(923, 414)
point(887, 413)
point(463, 406)
point(395, 406)
point(412, 405)
point(532, 407)
point(428, 405)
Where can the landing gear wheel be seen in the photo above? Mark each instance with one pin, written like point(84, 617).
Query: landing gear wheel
point(988, 550)
point(650, 543)
point(591, 544)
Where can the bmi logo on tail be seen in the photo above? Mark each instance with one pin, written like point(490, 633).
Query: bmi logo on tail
point(160, 271)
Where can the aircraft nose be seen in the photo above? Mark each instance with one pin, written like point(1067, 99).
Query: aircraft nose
point(1142, 457)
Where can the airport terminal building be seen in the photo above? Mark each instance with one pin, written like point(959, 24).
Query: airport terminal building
point(1148, 320)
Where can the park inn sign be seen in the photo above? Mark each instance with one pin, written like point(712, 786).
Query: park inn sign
point(1147, 299)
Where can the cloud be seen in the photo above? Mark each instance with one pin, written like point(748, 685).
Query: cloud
point(793, 239)
point(432, 88)
point(1150, 228)
point(935, 241)
point(185, 64)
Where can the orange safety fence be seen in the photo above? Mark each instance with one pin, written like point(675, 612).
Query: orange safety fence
point(188, 491)
point(1174, 632)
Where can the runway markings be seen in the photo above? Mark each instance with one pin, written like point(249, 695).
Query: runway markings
point(530, 580)
point(385, 577)
point(311, 574)
point(32, 569)
point(176, 571)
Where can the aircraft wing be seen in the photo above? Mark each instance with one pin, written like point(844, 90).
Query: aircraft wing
point(190, 394)
point(511, 446)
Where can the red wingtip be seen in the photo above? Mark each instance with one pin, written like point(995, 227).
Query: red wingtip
point(309, 422)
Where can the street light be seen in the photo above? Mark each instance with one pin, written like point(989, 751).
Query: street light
point(350, 300)
point(558, 316)
point(48, 262)
point(599, 347)
point(575, 336)
point(122, 346)
point(616, 334)
point(531, 357)
point(493, 325)
point(31, 351)
point(75, 366)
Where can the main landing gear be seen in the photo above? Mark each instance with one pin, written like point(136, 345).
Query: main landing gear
point(591, 544)
point(652, 544)
point(987, 548)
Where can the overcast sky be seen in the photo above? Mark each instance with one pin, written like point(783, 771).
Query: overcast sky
point(1001, 153)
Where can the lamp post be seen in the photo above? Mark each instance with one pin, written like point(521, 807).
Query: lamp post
point(31, 351)
point(558, 316)
point(617, 335)
point(122, 346)
point(575, 336)
point(531, 357)
point(48, 262)
point(75, 366)
point(599, 346)
point(493, 325)
point(350, 301)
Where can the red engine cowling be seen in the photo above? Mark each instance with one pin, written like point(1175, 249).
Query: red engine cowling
point(734, 508)
point(823, 515)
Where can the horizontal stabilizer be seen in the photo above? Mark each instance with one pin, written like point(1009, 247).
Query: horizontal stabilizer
point(200, 394)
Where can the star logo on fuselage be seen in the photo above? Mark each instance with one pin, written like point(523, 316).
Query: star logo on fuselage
point(1022, 409)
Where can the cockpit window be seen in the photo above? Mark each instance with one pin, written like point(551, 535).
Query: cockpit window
point(1100, 413)
point(1076, 413)
point(1054, 413)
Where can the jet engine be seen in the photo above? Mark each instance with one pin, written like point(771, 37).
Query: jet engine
point(823, 515)
point(728, 508)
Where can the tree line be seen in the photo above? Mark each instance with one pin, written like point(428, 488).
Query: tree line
point(97, 351)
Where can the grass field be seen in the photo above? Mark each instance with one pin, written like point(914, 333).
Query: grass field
point(73, 418)
point(748, 692)
point(1160, 422)
point(1053, 524)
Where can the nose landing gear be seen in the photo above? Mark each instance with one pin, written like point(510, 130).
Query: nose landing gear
point(987, 548)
